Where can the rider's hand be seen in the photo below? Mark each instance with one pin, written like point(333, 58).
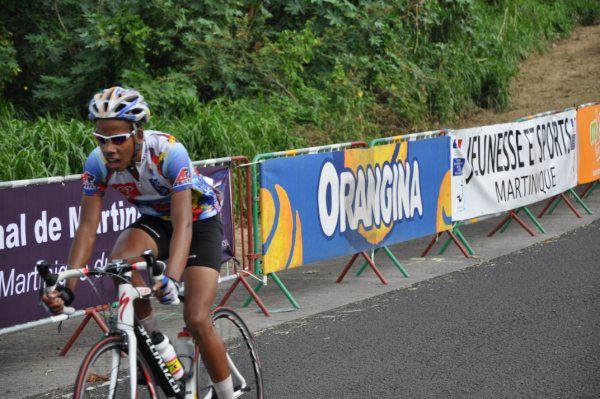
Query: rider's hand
point(53, 302)
point(167, 290)
point(56, 300)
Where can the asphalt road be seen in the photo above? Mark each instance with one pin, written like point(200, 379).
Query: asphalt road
point(525, 325)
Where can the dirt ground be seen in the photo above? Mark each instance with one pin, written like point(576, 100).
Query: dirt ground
point(565, 75)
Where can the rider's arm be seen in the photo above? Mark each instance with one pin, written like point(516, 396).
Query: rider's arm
point(85, 237)
point(181, 219)
point(178, 168)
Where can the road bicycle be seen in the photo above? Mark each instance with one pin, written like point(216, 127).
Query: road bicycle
point(126, 364)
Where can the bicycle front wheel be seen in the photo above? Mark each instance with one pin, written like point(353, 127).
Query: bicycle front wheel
point(242, 356)
point(105, 373)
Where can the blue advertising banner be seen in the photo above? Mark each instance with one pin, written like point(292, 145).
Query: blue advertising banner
point(39, 222)
point(321, 206)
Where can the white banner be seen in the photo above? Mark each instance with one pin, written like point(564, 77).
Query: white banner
point(502, 167)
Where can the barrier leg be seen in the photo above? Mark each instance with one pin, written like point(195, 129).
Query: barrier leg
point(512, 215)
point(90, 313)
point(585, 189)
point(240, 279)
point(531, 217)
point(346, 268)
point(284, 289)
point(556, 203)
point(456, 231)
point(445, 246)
point(454, 236)
point(550, 202)
point(375, 269)
point(503, 229)
point(390, 255)
point(281, 286)
point(589, 189)
point(395, 261)
point(369, 261)
point(522, 223)
point(255, 297)
point(433, 241)
point(249, 299)
point(502, 223)
point(580, 201)
point(362, 268)
point(534, 220)
point(569, 204)
point(229, 292)
point(458, 244)
point(563, 197)
point(463, 240)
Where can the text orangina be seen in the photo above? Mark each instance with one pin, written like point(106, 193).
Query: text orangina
point(370, 196)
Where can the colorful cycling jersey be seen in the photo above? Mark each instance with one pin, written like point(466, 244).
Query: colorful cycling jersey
point(165, 168)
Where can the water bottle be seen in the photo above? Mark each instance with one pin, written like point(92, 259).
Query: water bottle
point(167, 352)
point(185, 349)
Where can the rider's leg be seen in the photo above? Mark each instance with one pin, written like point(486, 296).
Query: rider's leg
point(132, 243)
point(200, 290)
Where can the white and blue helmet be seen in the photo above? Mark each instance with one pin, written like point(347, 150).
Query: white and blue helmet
point(119, 103)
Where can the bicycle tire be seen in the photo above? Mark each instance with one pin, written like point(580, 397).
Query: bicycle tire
point(108, 356)
point(241, 349)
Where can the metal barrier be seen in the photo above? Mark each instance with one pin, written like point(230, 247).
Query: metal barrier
point(244, 222)
point(454, 234)
point(556, 200)
point(256, 256)
point(241, 216)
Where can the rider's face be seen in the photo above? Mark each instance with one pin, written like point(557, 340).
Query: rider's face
point(119, 150)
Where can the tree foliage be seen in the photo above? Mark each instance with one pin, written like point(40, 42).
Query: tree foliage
point(315, 70)
point(407, 55)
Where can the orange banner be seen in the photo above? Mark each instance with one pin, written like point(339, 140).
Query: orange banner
point(588, 129)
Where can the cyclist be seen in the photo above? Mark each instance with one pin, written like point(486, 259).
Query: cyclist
point(180, 219)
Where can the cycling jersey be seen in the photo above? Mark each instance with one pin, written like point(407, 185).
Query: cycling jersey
point(165, 168)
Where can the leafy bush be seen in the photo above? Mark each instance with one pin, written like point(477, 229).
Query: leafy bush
point(41, 148)
point(242, 77)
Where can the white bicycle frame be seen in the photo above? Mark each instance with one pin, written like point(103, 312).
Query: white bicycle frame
point(125, 322)
point(127, 293)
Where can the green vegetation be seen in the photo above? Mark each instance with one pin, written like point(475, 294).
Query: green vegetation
point(240, 77)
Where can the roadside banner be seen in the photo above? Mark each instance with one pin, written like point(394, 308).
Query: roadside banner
point(39, 222)
point(220, 178)
point(588, 127)
point(321, 206)
point(506, 166)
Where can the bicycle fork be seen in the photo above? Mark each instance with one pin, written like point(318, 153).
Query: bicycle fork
point(125, 323)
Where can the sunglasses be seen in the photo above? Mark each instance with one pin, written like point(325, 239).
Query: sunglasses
point(116, 139)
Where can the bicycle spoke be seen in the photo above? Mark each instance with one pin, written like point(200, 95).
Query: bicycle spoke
point(241, 353)
point(105, 373)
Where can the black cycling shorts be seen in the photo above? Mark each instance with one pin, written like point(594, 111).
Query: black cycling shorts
point(207, 234)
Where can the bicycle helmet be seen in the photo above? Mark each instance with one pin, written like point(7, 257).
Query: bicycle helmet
point(119, 103)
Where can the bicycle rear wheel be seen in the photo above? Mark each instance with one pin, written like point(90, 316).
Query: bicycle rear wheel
point(105, 373)
point(243, 358)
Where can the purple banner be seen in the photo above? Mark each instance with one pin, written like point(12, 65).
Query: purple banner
point(222, 182)
point(39, 222)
